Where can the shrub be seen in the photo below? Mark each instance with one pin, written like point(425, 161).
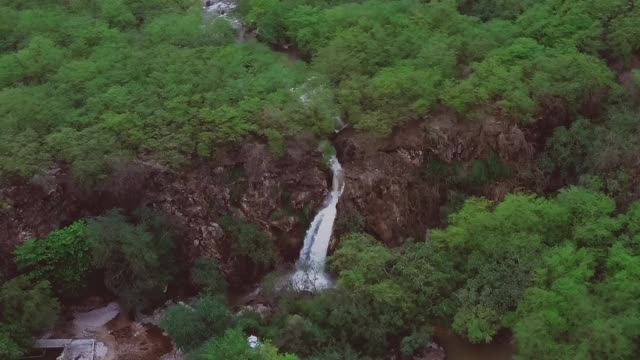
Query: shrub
point(414, 343)
point(137, 257)
point(63, 258)
point(26, 308)
point(29, 305)
point(249, 243)
point(190, 326)
point(233, 346)
point(206, 274)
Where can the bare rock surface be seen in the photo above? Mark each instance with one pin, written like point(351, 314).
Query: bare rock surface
point(386, 182)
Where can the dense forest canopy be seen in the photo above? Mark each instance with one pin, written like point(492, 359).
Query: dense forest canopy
point(93, 84)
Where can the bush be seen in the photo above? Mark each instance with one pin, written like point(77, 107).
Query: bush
point(487, 170)
point(206, 274)
point(26, 308)
point(249, 243)
point(233, 346)
point(9, 348)
point(190, 326)
point(63, 258)
point(28, 305)
point(328, 151)
point(137, 257)
point(414, 343)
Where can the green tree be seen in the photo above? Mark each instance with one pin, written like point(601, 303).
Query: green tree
point(9, 349)
point(249, 243)
point(31, 65)
point(63, 258)
point(31, 306)
point(189, 326)
point(117, 13)
point(267, 17)
point(206, 274)
point(233, 346)
point(370, 309)
point(496, 252)
point(26, 309)
point(138, 257)
point(566, 315)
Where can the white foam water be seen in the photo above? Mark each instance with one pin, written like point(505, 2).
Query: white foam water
point(310, 274)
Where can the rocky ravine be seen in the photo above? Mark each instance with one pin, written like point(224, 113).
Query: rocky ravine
point(385, 188)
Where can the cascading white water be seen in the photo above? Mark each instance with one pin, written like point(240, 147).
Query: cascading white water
point(310, 275)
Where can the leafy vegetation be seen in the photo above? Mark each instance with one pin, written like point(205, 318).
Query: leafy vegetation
point(62, 258)
point(89, 84)
point(189, 326)
point(233, 346)
point(26, 308)
point(558, 272)
point(474, 176)
point(396, 60)
point(598, 155)
point(206, 274)
point(137, 257)
point(249, 244)
point(92, 84)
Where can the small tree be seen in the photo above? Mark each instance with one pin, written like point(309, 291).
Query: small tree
point(30, 306)
point(137, 257)
point(190, 326)
point(206, 274)
point(25, 309)
point(233, 346)
point(249, 243)
point(62, 258)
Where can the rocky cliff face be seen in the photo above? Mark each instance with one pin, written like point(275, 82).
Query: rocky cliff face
point(386, 181)
point(387, 192)
point(246, 181)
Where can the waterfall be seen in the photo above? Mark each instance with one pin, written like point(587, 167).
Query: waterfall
point(309, 274)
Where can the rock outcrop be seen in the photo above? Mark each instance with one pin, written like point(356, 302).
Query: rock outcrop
point(386, 183)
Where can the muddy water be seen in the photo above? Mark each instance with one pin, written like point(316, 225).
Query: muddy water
point(458, 348)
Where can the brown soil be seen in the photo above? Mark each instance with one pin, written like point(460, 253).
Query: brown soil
point(134, 341)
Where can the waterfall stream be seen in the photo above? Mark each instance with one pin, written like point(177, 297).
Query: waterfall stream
point(309, 274)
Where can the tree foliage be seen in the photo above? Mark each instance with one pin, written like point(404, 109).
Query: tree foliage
point(206, 274)
point(62, 258)
point(249, 243)
point(559, 272)
point(137, 255)
point(189, 326)
point(233, 346)
point(598, 155)
point(92, 83)
point(26, 308)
